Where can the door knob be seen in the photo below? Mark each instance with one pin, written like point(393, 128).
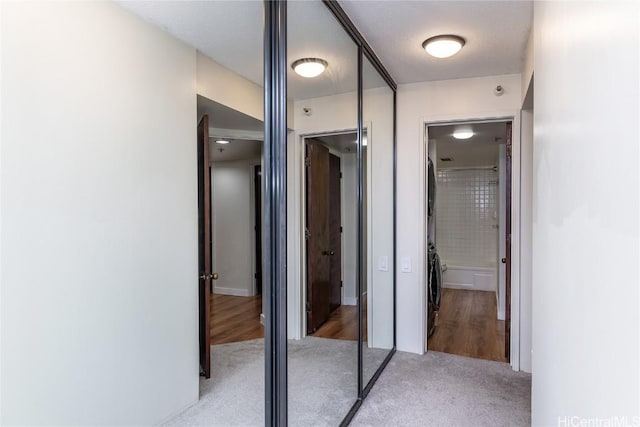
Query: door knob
point(213, 276)
point(328, 253)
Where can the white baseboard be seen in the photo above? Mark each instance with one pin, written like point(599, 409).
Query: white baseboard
point(232, 291)
point(350, 301)
point(457, 285)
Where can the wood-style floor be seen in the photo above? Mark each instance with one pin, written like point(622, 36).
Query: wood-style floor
point(235, 319)
point(342, 324)
point(467, 325)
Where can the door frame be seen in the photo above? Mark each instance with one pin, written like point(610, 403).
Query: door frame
point(254, 221)
point(516, 223)
point(298, 293)
point(205, 248)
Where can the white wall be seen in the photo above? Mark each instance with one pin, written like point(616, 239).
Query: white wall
point(417, 103)
point(99, 217)
point(228, 88)
point(331, 113)
point(585, 218)
point(232, 90)
point(336, 113)
point(349, 228)
point(233, 221)
point(377, 110)
point(527, 72)
point(502, 233)
point(526, 210)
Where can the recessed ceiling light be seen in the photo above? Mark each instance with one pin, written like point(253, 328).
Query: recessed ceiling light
point(222, 141)
point(309, 67)
point(463, 132)
point(443, 46)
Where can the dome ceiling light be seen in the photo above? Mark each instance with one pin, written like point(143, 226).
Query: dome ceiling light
point(463, 132)
point(443, 46)
point(309, 67)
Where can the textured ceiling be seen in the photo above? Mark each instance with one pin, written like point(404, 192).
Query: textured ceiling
point(496, 33)
point(479, 150)
point(230, 32)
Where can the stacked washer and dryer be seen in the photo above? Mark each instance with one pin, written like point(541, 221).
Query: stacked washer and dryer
point(434, 268)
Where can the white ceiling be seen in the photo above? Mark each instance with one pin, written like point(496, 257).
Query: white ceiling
point(479, 150)
point(223, 117)
point(496, 33)
point(230, 32)
point(243, 132)
point(236, 149)
point(341, 142)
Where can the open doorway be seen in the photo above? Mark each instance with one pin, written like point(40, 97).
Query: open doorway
point(230, 189)
point(468, 235)
point(330, 235)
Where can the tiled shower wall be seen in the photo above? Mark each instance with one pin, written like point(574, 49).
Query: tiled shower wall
point(467, 217)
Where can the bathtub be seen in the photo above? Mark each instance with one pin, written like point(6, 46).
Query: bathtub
point(474, 278)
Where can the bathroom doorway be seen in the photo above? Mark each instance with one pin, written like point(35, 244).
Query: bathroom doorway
point(469, 235)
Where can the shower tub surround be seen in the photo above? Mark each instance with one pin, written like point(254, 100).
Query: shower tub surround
point(467, 227)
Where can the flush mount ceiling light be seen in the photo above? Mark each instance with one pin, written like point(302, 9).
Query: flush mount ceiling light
point(309, 67)
point(443, 46)
point(222, 141)
point(463, 132)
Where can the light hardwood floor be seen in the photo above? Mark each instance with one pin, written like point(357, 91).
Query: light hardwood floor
point(235, 319)
point(342, 324)
point(468, 326)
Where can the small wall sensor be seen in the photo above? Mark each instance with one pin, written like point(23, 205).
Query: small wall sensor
point(499, 90)
point(306, 111)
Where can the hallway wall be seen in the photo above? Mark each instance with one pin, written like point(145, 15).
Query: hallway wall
point(585, 213)
point(431, 101)
point(99, 217)
point(232, 212)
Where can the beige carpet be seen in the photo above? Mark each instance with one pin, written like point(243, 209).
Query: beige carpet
point(322, 384)
point(440, 389)
point(437, 389)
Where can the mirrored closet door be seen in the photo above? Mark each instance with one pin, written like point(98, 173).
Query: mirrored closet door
point(377, 293)
point(322, 94)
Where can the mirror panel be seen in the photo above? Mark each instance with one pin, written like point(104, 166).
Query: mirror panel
point(322, 296)
point(378, 243)
point(227, 38)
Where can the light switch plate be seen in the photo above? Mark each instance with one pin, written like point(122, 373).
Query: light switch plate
point(405, 264)
point(383, 263)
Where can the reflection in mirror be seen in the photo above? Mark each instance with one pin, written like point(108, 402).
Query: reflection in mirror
point(228, 92)
point(322, 301)
point(378, 280)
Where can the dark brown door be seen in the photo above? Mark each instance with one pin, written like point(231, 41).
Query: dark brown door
point(507, 322)
point(335, 238)
point(317, 235)
point(204, 245)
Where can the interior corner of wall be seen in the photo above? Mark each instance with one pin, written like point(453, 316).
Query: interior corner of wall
point(527, 71)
